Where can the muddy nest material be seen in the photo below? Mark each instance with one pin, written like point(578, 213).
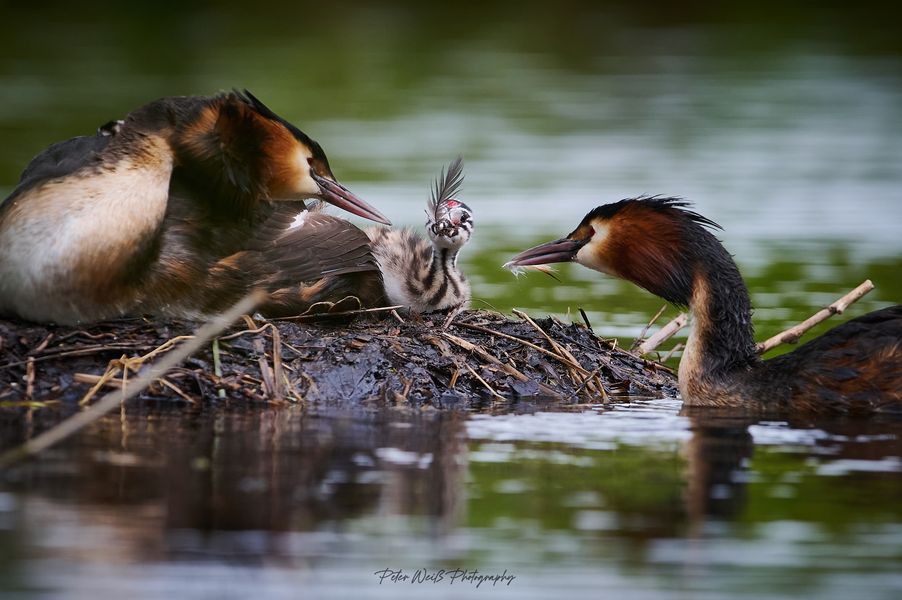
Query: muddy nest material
point(480, 356)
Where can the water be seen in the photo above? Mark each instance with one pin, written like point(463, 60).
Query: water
point(633, 500)
point(784, 127)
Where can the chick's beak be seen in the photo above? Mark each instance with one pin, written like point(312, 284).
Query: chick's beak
point(563, 250)
point(334, 193)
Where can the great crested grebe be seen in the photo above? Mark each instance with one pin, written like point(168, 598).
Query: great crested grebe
point(423, 275)
point(661, 246)
point(175, 210)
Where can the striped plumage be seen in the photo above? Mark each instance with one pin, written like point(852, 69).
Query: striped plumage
point(423, 274)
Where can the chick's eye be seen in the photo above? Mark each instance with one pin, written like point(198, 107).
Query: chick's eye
point(464, 218)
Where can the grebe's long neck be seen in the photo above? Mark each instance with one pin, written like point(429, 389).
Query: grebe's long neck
point(443, 275)
point(721, 343)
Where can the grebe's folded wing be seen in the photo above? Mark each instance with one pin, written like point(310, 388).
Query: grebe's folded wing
point(61, 159)
point(322, 245)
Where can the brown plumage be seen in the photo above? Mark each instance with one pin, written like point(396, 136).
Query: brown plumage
point(855, 368)
point(177, 210)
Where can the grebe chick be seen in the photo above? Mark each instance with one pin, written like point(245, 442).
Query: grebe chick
point(424, 275)
point(656, 243)
point(174, 211)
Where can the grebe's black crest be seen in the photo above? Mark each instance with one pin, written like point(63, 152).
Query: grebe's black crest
point(656, 203)
point(446, 187)
point(248, 98)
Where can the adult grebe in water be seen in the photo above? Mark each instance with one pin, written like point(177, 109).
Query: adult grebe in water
point(661, 246)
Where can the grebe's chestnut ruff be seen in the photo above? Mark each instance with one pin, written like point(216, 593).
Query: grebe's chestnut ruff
point(656, 243)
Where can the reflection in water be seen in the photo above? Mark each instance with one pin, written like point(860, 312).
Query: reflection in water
point(634, 495)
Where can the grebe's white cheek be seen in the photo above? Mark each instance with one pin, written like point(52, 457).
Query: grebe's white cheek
point(592, 255)
point(304, 184)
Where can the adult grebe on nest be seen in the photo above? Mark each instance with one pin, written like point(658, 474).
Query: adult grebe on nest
point(656, 243)
point(178, 210)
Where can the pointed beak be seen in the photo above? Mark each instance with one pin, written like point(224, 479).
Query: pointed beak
point(563, 250)
point(334, 193)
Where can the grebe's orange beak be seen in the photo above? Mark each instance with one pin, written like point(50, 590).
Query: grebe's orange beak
point(563, 250)
point(338, 195)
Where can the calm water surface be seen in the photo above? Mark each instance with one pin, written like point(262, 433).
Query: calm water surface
point(787, 133)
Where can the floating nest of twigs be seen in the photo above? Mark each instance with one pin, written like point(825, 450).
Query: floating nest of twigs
point(480, 357)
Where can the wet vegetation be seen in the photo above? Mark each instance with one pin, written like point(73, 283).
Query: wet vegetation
point(414, 362)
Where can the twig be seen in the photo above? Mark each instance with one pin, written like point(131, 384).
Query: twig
point(526, 343)
point(89, 378)
point(114, 398)
point(454, 377)
point(792, 335)
point(451, 315)
point(344, 313)
point(586, 382)
point(586, 320)
point(483, 381)
point(483, 354)
point(40, 347)
point(76, 352)
point(111, 371)
point(177, 390)
point(217, 366)
point(645, 329)
point(243, 332)
point(671, 351)
point(277, 363)
point(663, 334)
point(29, 378)
point(560, 349)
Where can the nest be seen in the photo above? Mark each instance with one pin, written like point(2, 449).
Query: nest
point(420, 361)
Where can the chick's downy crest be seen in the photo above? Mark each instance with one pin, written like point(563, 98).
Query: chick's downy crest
point(449, 222)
